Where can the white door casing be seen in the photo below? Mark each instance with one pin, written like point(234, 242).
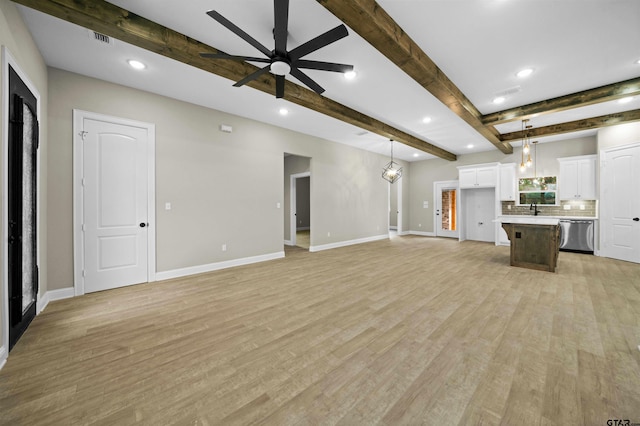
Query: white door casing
point(437, 194)
point(114, 202)
point(620, 203)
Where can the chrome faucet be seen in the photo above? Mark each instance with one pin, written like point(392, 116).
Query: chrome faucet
point(534, 207)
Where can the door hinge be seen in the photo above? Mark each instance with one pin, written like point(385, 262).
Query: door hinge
point(83, 273)
point(82, 182)
point(83, 227)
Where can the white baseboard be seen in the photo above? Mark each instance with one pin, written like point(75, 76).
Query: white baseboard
point(401, 233)
point(288, 243)
point(49, 296)
point(423, 234)
point(348, 243)
point(3, 356)
point(192, 270)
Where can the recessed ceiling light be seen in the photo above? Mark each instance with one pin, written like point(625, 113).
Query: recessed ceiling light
point(136, 64)
point(426, 120)
point(470, 146)
point(416, 155)
point(350, 75)
point(498, 100)
point(524, 73)
point(283, 111)
point(625, 100)
point(638, 62)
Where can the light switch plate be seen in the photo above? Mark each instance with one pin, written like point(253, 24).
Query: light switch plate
point(567, 207)
point(167, 206)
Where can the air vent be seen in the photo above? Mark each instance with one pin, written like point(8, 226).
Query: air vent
point(510, 91)
point(100, 38)
point(362, 133)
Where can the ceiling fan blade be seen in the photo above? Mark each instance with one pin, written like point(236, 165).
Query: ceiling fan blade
point(306, 80)
point(240, 33)
point(234, 57)
point(321, 41)
point(252, 76)
point(323, 66)
point(281, 22)
point(279, 86)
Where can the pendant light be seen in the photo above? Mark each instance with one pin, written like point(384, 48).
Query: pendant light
point(526, 148)
point(392, 171)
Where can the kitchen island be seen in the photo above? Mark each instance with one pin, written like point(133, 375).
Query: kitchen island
point(535, 241)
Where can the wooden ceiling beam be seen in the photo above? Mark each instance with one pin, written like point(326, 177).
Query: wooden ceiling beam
point(106, 18)
point(606, 93)
point(374, 24)
point(577, 125)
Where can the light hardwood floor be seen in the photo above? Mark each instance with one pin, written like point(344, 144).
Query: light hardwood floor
point(303, 239)
point(410, 330)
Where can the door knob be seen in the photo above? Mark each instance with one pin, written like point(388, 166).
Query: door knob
point(142, 224)
point(636, 219)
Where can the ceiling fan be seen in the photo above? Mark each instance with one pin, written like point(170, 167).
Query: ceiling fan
point(281, 61)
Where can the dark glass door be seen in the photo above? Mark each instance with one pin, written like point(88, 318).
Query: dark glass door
point(22, 217)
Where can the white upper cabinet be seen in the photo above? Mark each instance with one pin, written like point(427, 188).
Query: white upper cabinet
point(508, 182)
point(577, 180)
point(478, 176)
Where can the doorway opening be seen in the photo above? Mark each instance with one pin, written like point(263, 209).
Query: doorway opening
point(21, 205)
point(446, 196)
point(395, 208)
point(297, 229)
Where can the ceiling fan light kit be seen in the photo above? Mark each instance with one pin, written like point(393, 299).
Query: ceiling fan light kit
point(282, 62)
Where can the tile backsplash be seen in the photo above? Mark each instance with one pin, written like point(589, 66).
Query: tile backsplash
point(590, 209)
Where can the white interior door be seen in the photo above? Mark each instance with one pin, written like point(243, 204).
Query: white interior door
point(446, 203)
point(620, 204)
point(115, 208)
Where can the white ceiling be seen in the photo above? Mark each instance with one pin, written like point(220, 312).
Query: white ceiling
point(572, 45)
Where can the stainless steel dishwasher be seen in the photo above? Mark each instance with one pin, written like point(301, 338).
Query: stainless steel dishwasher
point(576, 235)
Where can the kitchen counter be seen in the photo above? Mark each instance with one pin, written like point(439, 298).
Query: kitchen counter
point(552, 217)
point(531, 220)
point(535, 241)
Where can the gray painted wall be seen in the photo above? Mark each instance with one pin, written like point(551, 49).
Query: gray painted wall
point(224, 188)
point(625, 134)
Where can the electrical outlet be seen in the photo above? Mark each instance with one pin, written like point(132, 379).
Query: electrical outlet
point(167, 206)
point(567, 207)
point(224, 247)
point(277, 205)
point(419, 225)
point(582, 207)
point(328, 234)
point(509, 207)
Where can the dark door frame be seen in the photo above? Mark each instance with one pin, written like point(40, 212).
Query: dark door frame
point(17, 90)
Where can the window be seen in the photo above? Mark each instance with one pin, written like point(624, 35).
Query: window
point(540, 190)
